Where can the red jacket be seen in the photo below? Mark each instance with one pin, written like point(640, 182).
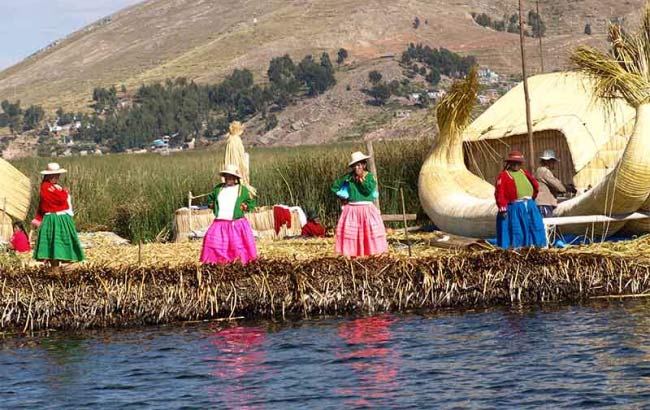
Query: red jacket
point(505, 191)
point(20, 242)
point(53, 198)
point(313, 229)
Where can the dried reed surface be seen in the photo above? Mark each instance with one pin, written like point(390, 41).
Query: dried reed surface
point(302, 277)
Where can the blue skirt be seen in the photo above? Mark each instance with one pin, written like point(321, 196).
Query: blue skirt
point(522, 227)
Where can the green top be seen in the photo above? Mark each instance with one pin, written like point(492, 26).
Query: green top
point(524, 187)
point(359, 191)
point(243, 197)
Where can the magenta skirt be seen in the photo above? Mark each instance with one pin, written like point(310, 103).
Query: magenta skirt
point(227, 241)
point(360, 231)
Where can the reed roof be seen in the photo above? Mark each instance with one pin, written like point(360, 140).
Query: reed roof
point(559, 101)
point(15, 189)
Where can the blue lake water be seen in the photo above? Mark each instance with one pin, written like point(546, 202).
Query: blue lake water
point(589, 356)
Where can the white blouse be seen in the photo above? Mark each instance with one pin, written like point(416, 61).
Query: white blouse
point(227, 198)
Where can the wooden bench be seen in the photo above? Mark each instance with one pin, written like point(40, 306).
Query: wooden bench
point(398, 217)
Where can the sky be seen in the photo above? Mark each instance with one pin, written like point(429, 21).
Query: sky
point(29, 25)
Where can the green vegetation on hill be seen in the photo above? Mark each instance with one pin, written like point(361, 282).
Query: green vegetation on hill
point(17, 119)
point(438, 61)
point(183, 109)
point(511, 24)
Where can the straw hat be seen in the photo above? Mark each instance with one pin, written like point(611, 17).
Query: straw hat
point(358, 157)
point(230, 169)
point(53, 168)
point(515, 156)
point(236, 128)
point(549, 154)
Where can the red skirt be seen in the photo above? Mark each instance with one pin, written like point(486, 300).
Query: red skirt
point(227, 241)
point(360, 231)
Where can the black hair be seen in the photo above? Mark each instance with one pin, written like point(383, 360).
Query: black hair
point(19, 225)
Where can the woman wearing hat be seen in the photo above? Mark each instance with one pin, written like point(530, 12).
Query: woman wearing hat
point(360, 230)
point(549, 185)
point(230, 236)
point(519, 222)
point(57, 237)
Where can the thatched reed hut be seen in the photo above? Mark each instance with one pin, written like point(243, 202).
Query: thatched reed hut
point(588, 136)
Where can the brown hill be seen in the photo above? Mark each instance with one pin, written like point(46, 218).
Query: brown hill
point(203, 39)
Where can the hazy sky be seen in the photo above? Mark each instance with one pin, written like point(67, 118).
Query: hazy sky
point(29, 25)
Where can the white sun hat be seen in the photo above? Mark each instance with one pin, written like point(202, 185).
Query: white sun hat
point(548, 155)
point(53, 168)
point(357, 157)
point(230, 169)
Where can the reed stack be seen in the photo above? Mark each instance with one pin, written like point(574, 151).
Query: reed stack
point(310, 282)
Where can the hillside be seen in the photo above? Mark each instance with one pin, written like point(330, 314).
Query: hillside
point(203, 40)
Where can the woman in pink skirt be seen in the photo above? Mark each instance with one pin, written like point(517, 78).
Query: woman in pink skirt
point(360, 231)
point(230, 236)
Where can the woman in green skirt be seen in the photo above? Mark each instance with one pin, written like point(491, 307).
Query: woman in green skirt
point(57, 237)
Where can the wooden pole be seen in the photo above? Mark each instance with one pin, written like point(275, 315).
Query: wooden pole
point(373, 168)
point(189, 210)
point(541, 53)
point(529, 126)
point(4, 213)
point(406, 231)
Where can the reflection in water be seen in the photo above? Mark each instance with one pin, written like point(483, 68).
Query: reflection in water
point(63, 357)
point(370, 353)
point(239, 360)
point(577, 357)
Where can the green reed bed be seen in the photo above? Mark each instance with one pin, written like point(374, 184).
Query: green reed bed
point(136, 195)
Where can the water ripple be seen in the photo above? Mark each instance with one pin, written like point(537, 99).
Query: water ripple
point(584, 356)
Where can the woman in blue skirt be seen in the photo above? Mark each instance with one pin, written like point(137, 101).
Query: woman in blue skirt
point(519, 222)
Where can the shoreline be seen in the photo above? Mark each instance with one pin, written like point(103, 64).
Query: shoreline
point(125, 294)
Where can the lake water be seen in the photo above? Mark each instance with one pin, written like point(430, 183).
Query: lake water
point(587, 356)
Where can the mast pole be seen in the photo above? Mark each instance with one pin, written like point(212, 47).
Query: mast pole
point(529, 126)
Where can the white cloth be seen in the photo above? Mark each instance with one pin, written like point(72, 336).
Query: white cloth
point(301, 215)
point(226, 199)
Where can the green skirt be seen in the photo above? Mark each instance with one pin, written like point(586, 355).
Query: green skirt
point(57, 239)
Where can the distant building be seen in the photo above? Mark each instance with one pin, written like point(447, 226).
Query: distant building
point(487, 76)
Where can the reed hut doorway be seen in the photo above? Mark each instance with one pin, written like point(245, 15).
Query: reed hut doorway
point(485, 157)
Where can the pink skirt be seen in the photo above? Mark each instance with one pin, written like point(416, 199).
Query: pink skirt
point(227, 241)
point(360, 231)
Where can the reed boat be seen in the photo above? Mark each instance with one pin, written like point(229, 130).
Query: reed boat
point(602, 148)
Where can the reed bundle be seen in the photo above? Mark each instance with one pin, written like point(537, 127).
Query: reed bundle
point(282, 284)
point(261, 220)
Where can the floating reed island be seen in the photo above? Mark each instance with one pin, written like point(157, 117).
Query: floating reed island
point(301, 277)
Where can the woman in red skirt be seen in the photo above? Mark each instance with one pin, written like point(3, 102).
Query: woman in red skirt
point(360, 230)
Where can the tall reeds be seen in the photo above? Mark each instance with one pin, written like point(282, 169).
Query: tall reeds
point(136, 195)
